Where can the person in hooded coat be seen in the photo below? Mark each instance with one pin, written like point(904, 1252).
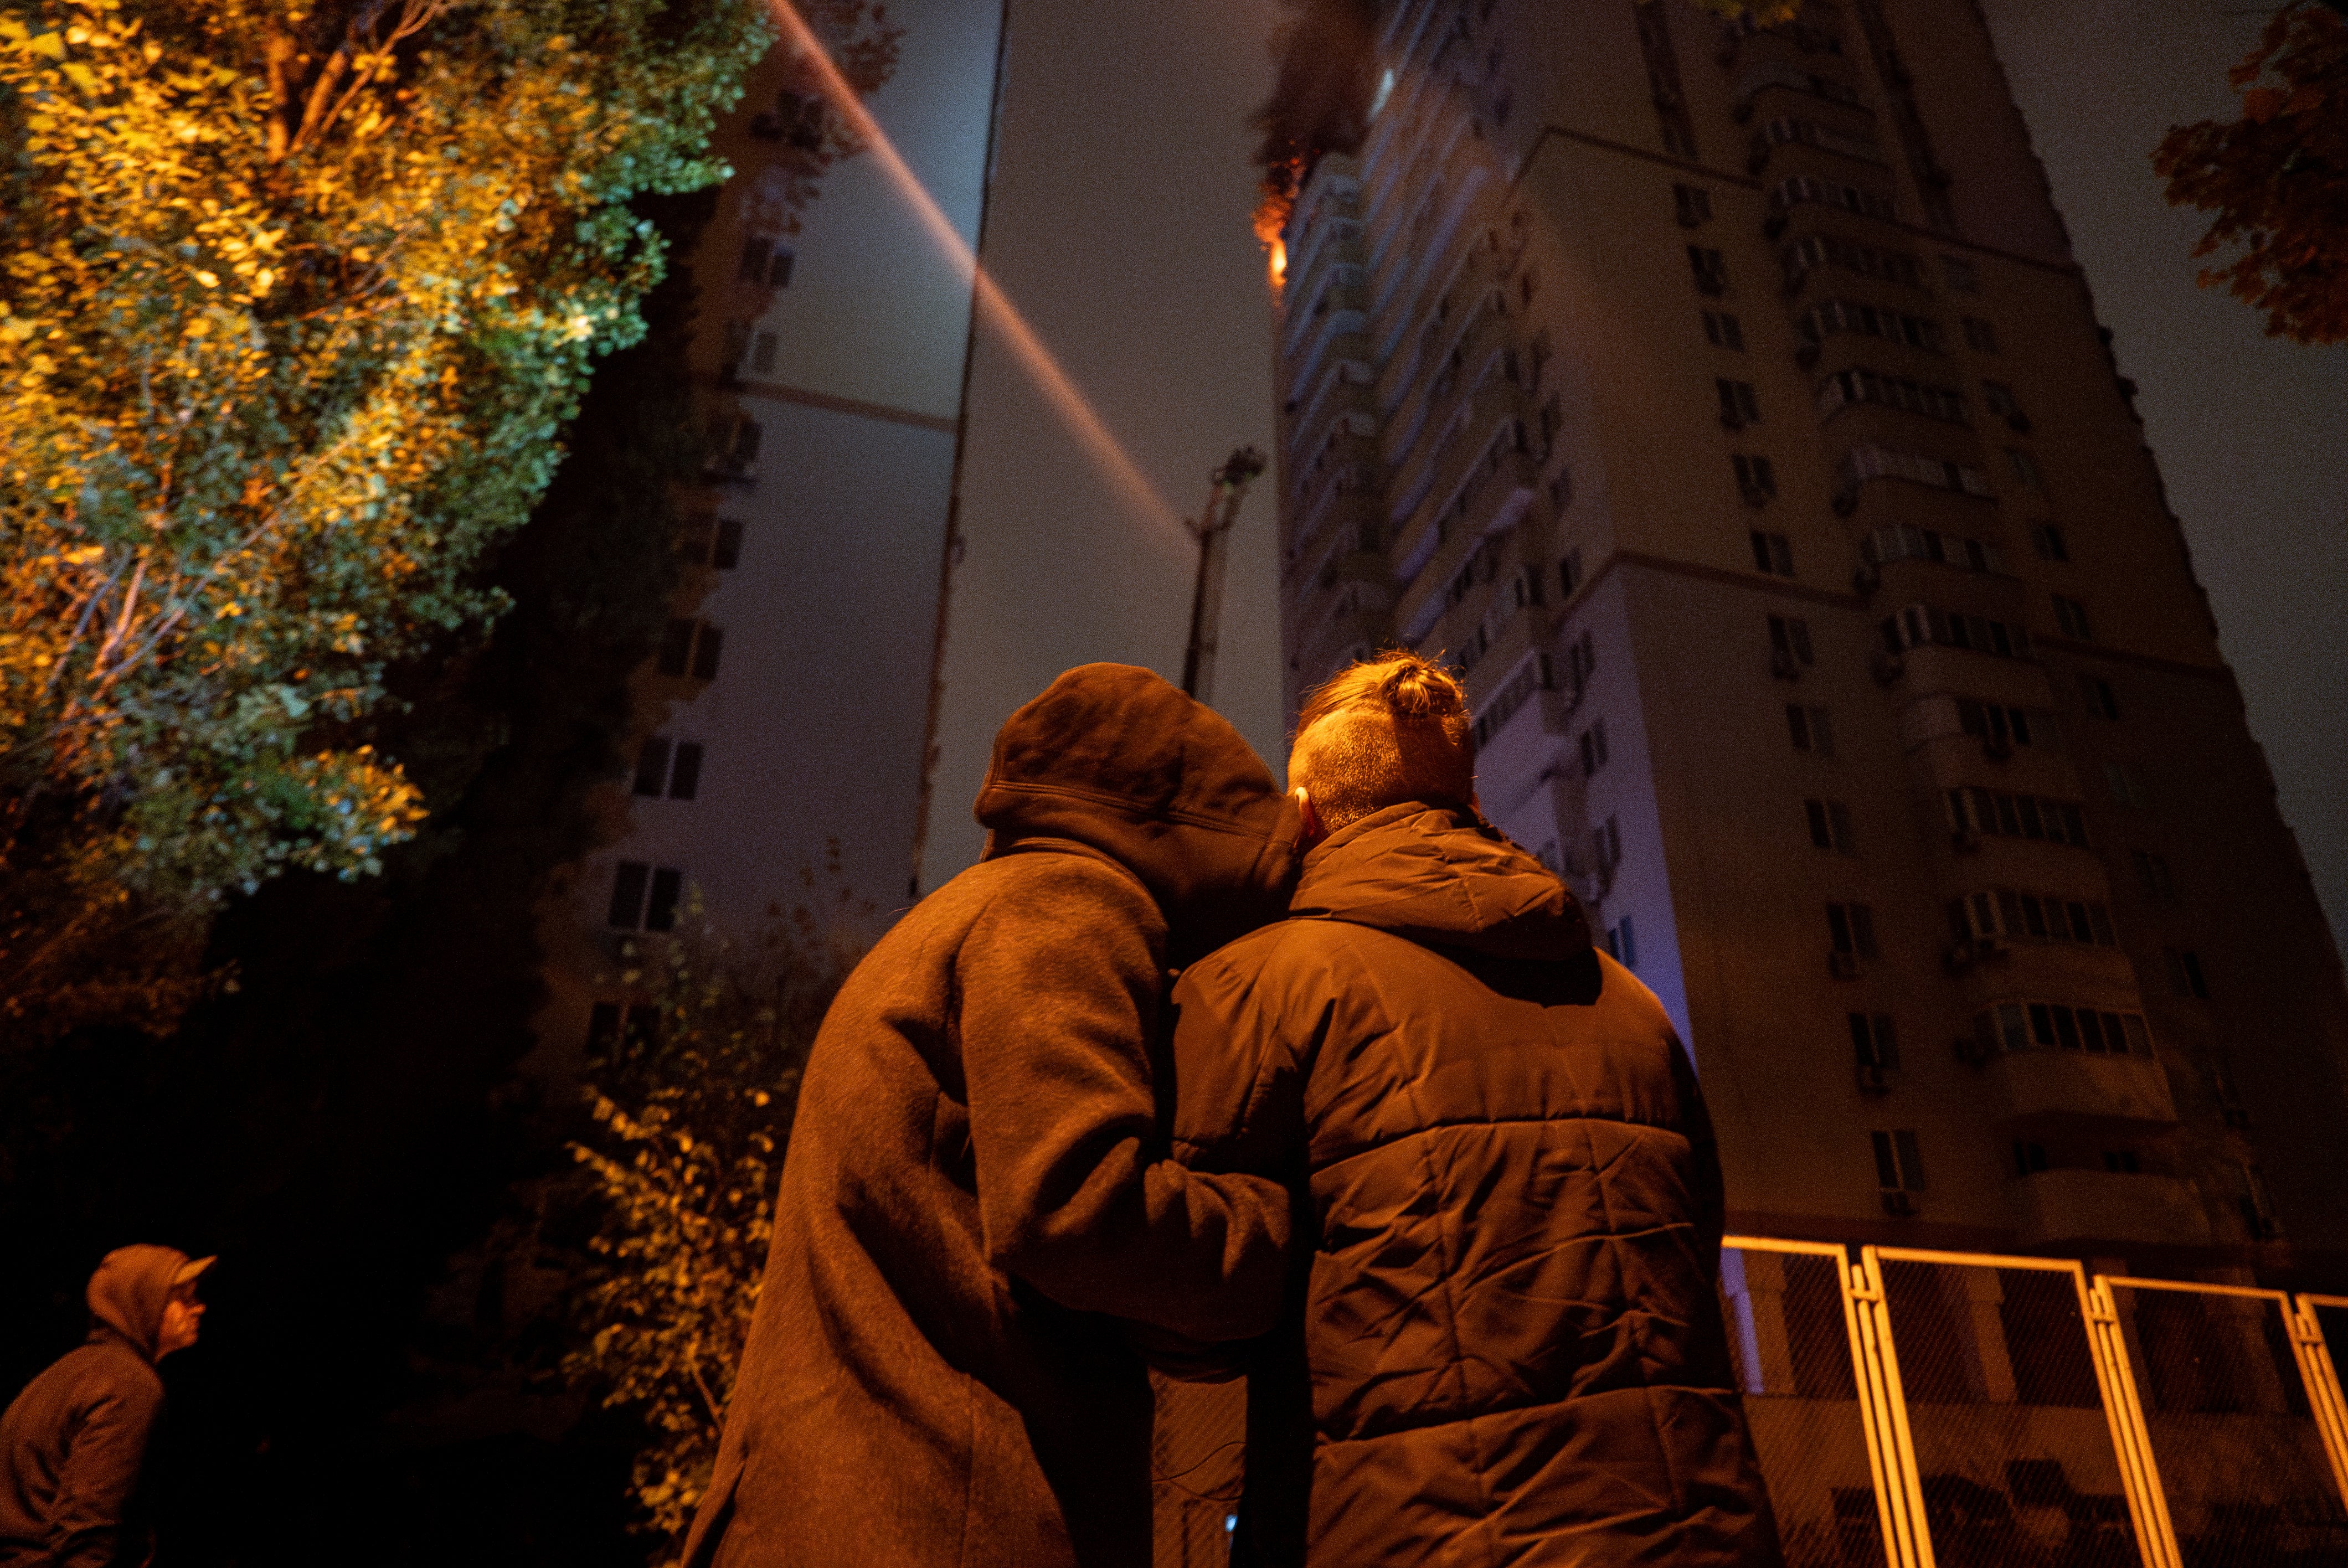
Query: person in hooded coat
point(73, 1443)
point(976, 1173)
point(1505, 1344)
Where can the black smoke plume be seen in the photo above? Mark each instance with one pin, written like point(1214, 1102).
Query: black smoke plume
point(1328, 70)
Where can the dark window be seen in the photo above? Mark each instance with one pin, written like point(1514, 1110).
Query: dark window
point(652, 766)
point(755, 254)
point(2185, 974)
point(1790, 636)
point(1739, 404)
point(1809, 728)
point(684, 777)
point(1873, 1040)
point(778, 267)
point(1622, 942)
point(1710, 268)
point(2047, 540)
point(726, 551)
point(1829, 822)
point(1593, 748)
point(1568, 573)
point(2071, 617)
point(2029, 1159)
point(1754, 477)
point(1852, 930)
point(1723, 330)
point(1772, 554)
point(1693, 205)
point(2121, 1162)
point(2152, 873)
point(628, 882)
point(2096, 694)
point(675, 647)
point(660, 911)
point(705, 652)
point(1899, 1168)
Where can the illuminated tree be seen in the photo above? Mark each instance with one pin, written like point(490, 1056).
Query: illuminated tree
point(693, 1104)
point(2278, 178)
point(293, 303)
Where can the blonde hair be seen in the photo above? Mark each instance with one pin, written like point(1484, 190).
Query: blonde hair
point(1388, 730)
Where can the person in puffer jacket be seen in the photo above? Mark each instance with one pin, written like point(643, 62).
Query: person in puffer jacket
point(1503, 1344)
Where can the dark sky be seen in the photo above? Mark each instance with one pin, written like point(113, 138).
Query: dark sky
point(1119, 226)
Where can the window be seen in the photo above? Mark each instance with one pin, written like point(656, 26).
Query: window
point(756, 251)
point(1693, 204)
point(1998, 727)
point(2053, 1026)
point(1568, 573)
point(2127, 789)
point(1593, 748)
point(690, 646)
point(2095, 693)
point(1772, 554)
point(2185, 974)
point(1998, 398)
point(2047, 540)
point(1850, 929)
point(2071, 617)
point(666, 768)
point(1723, 330)
point(1905, 541)
point(726, 544)
point(2029, 1158)
point(1922, 625)
point(1873, 1041)
point(1739, 405)
point(1755, 479)
point(1606, 840)
point(1980, 336)
point(2257, 1208)
point(1580, 661)
point(644, 897)
point(1710, 269)
point(1831, 316)
point(2031, 917)
point(1622, 943)
point(1829, 823)
point(2122, 1163)
point(1998, 815)
point(762, 354)
point(2152, 875)
point(1790, 640)
point(1868, 461)
point(1803, 188)
point(1898, 1166)
point(2025, 469)
point(1532, 675)
point(1809, 728)
point(733, 448)
point(1959, 274)
point(1560, 490)
point(1819, 250)
point(1846, 387)
point(611, 1025)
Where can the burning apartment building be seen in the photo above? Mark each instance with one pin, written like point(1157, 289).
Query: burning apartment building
point(1725, 404)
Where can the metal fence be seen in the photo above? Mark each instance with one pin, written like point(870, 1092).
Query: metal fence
point(1937, 1409)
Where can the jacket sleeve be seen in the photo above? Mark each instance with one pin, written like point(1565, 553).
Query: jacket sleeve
point(1059, 987)
point(99, 1475)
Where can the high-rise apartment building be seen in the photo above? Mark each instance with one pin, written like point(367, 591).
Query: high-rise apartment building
point(781, 721)
point(1726, 405)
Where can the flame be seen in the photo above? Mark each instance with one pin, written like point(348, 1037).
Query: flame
point(1275, 201)
point(992, 304)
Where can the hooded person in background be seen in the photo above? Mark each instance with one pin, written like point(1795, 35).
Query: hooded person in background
point(976, 1177)
point(1505, 1342)
point(72, 1444)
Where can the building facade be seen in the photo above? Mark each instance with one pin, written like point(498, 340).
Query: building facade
point(781, 723)
point(1725, 405)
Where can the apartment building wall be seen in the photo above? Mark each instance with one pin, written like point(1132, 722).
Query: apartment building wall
point(1726, 405)
point(828, 365)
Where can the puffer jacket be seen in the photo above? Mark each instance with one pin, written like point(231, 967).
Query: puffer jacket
point(1507, 1347)
point(73, 1443)
point(976, 1175)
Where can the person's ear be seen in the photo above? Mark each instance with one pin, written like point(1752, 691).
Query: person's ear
point(1310, 816)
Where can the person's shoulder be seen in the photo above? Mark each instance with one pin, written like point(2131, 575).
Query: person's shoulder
point(106, 1369)
point(1284, 947)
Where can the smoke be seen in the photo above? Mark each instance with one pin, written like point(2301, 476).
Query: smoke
point(1328, 69)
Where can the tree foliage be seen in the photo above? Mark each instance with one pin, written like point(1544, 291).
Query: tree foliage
point(693, 1102)
point(296, 301)
point(2278, 178)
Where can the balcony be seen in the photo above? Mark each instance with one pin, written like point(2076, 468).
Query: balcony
point(2075, 1085)
point(2075, 1206)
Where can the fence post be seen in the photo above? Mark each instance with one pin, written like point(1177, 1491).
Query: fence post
point(2155, 1532)
point(2322, 1378)
point(1891, 1447)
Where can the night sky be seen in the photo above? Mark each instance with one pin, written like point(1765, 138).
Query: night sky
point(1119, 227)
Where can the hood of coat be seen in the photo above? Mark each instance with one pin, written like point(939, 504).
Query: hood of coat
point(1116, 759)
point(1446, 878)
point(129, 1290)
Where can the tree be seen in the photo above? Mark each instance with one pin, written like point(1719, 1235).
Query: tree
point(296, 304)
point(693, 1100)
point(2278, 177)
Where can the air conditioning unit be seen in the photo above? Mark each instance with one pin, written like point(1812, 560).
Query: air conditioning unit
point(1784, 666)
point(1843, 966)
point(1899, 1203)
point(1873, 1079)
